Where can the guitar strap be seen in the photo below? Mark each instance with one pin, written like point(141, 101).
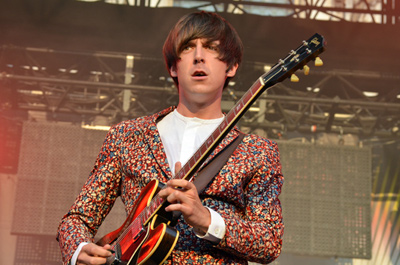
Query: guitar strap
point(207, 173)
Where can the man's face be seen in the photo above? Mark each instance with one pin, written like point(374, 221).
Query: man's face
point(201, 75)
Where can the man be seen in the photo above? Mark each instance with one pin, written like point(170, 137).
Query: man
point(237, 218)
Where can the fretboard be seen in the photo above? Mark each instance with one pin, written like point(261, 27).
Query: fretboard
point(211, 143)
point(296, 59)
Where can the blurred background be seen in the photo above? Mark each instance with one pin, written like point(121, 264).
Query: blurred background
point(70, 69)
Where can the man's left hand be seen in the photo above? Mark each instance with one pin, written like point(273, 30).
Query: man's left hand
point(182, 196)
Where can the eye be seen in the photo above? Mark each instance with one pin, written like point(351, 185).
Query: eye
point(186, 47)
point(213, 47)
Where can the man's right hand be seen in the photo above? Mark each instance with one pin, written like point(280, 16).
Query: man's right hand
point(92, 254)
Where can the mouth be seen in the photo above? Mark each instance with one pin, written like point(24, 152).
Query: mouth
point(199, 74)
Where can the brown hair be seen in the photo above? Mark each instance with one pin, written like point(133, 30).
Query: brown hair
point(203, 25)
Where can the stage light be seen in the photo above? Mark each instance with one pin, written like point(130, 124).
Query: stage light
point(95, 127)
point(370, 94)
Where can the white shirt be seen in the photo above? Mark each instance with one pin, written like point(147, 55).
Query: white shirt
point(181, 137)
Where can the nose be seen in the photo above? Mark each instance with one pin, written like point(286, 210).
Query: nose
point(199, 54)
point(198, 60)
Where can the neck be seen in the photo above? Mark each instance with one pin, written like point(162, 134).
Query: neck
point(208, 112)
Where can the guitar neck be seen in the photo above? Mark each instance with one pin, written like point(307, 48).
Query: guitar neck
point(229, 121)
point(296, 59)
point(205, 150)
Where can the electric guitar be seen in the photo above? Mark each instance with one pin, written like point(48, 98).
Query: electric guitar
point(147, 236)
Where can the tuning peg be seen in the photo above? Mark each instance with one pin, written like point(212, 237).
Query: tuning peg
point(318, 61)
point(294, 78)
point(306, 69)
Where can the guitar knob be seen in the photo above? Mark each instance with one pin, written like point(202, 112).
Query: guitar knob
point(318, 61)
point(306, 69)
point(294, 78)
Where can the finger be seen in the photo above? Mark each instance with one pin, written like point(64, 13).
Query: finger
point(93, 254)
point(178, 202)
point(166, 191)
point(180, 184)
point(176, 207)
point(107, 246)
point(90, 260)
point(178, 166)
point(176, 197)
point(93, 250)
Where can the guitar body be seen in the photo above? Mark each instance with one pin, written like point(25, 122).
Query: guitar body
point(150, 244)
point(159, 243)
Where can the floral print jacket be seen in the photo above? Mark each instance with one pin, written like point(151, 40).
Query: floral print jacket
point(245, 193)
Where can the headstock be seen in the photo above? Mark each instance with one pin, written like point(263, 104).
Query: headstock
point(296, 59)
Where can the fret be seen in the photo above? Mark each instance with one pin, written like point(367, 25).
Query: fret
point(222, 125)
point(257, 87)
point(197, 155)
point(246, 97)
point(180, 174)
point(210, 140)
point(155, 205)
point(186, 169)
point(149, 210)
point(230, 116)
point(148, 213)
point(238, 107)
point(159, 201)
point(203, 149)
point(215, 135)
point(141, 217)
point(217, 131)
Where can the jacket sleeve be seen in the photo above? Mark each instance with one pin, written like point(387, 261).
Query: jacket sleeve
point(254, 231)
point(95, 200)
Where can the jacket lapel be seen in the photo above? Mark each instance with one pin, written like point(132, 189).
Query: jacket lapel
point(153, 138)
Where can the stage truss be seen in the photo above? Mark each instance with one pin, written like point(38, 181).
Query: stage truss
point(104, 88)
point(369, 11)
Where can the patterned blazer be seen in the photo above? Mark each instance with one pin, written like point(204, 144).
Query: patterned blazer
point(245, 193)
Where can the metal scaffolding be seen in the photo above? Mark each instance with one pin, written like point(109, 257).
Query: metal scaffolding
point(103, 88)
point(365, 11)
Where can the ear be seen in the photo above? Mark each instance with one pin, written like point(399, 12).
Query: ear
point(232, 71)
point(172, 72)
